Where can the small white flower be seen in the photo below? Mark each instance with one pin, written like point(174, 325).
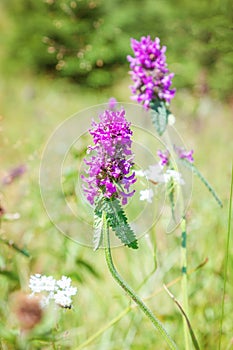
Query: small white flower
point(39, 283)
point(49, 283)
point(60, 291)
point(64, 282)
point(146, 195)
point(171, 119)
point(62, 299)
point(175, 176)
point(155, 173)
point(139, 173)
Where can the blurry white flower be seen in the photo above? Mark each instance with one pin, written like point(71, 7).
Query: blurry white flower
point(39, 283)
point(155, 173)
point(60, 291)
point(64, 282)
point(139, 173)
point(146, 195)
point(175, 176)
point(62, 299)
point(171, 119)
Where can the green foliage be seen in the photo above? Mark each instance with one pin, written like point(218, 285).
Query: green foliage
point(171, 194)
point(116, 219)
point(88, 40)
point(159, 116)
point(98, 307)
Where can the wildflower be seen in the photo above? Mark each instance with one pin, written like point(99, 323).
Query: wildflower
point(112, 102)
point(60, 291)
point(164, 156)
point(39, 283)
point(171, 119)
point(149, 72)
point(175, 176)
point(111, 164)
point(147, 195)
point(139, 173)
point(14, 174)
point(182, 154)
point(155, 173)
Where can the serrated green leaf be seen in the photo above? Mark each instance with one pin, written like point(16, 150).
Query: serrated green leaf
point(117, 220)
point(159, 116)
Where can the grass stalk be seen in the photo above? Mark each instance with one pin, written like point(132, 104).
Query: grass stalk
point(184, 281)
point(226, 261)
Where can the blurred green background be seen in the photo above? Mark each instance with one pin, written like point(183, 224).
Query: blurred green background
point(59, 57)
point(87, 41)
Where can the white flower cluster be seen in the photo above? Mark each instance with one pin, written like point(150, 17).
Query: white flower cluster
point(156, 175)
point(60, 291)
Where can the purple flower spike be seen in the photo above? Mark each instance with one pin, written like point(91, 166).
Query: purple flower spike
point(182, 154)
point(112, 160)
point(164, 156)
point(149, 72)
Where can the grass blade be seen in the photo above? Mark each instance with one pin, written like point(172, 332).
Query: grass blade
point(226, 260)
point(194, 339)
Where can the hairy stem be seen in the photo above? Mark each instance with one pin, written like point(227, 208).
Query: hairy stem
point(131, 307)
point(130, 291)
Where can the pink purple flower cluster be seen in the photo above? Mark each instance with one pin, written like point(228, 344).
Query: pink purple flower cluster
point(181, 153)
point(112, 161)
point(149, 72)
point(164, 156)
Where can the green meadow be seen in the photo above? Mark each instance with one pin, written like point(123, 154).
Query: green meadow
point(32, 104)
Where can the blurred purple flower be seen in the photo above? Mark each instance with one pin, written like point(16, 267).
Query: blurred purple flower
point(164, 156)
point(183, 154)
point(149, 72)
point(112, 161)
point(14, 174)
point(112, 102)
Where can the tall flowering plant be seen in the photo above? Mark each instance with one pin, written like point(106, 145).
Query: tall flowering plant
point(107, 185)
point(109, 176)
point(152, 88)
point(108, 180)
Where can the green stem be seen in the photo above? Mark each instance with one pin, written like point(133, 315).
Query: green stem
point(226, 259)
point(130, 291)
point(131, 307)
point(184, 284)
